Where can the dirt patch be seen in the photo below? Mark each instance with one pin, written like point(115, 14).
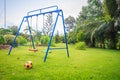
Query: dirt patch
point(4, 46)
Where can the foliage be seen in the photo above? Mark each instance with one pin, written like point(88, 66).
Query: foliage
point(38, 35)
point(26, 30)
point(44, 40)
point(80, 36)
point(62, 39)
point(47, 24)
point(2, 40)
point(53, 42)
point(71, 37)
point(22, 40)
point(70, 23)
point(100, 23)
point(14, 29)
point(111, 9)
point(5, 31)
point(26, 36)
point(57, 38)
point(80, 46)
point(37, 42)
point(9, 39)
point(88, 22)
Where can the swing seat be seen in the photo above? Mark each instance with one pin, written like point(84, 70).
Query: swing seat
point(35, 50)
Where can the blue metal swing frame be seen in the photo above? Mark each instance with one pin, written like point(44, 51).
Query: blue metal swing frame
point(42, 12)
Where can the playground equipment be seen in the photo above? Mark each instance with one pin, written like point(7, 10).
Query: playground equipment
point(38, 12)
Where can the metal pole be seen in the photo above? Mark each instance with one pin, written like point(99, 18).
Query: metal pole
point(15, 37)
point(65, 37)
point(4, 13)
point(37, 24)
point(51, 37)
point(30, 33)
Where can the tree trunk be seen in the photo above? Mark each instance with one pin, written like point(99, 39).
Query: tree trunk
point(93, 42)
point(102, 39)
point(97, 45)
point(119, 46)
point(100, 45)
point(113, 36)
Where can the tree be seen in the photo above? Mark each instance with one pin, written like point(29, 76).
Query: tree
point(27, 33)
point(70, 23)
point(47, 26)
point(26, 30)
point(88, 22)
point(110, 8)
point(117, 23)
point(2, 40)
point(4, 31)
point(14, 29)
point(57, 37)
point(72, 37)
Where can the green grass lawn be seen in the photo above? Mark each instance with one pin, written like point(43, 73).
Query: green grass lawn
point(89, 64)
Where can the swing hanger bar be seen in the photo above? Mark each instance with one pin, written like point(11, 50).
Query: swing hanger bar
point(57, 11)
point(43, 10)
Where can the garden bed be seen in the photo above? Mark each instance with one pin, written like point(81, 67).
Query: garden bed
point(4, 46)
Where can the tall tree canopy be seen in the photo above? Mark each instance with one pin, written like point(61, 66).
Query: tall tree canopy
point(48, 24)
point(99, 21)
point(70, 23)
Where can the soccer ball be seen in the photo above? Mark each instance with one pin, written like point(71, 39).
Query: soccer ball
point(28, 65)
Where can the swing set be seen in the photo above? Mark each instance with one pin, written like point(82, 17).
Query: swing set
point(38, 12)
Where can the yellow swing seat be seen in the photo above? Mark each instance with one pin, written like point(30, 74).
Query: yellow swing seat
point(32, 49)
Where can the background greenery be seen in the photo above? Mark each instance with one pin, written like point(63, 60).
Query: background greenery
point(97, 24)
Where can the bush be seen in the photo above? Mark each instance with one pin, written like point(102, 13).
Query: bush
point(53, 42)
point(2, 40)
point(57, 39)
point(80, 36)
point(81, 46)
point(44, 40)
point(118, 45)
point(71, 37)
point(37, 42)
point(22, 40)
point(9, 39)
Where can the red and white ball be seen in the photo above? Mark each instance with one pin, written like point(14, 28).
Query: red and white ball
point(28, 65)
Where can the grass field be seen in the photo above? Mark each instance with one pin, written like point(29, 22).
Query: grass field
point(89, 64)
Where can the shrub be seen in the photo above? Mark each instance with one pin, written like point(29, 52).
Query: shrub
point(80, 36)
point(53, 42)
point(37, 42)
point(81, 46)
point(58, 38)
point(71, 37)
point(44, 40)
point(118, 45)
point(21, 40)
point(2, 40)
point(9, 39)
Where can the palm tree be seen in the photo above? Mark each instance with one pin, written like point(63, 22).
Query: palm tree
point(88, 20)
point(110, 8)
point(33, 32)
